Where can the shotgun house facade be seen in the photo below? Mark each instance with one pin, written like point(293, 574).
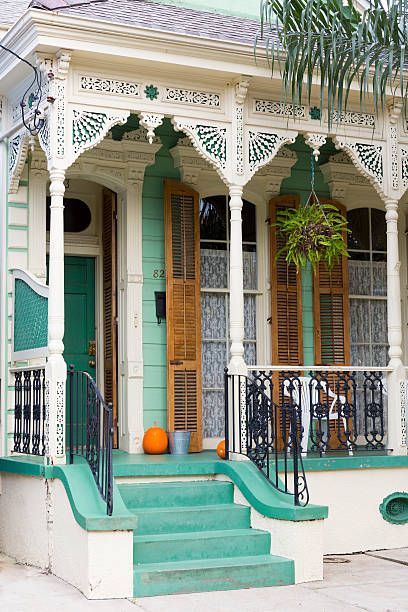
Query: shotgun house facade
point(140, 259)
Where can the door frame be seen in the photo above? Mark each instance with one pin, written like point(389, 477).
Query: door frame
point(76, 245)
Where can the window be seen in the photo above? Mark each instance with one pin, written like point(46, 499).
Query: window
point(77, 216)
point(215, 242)
point(367, 246)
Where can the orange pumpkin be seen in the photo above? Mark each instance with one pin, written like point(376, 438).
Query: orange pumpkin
point(221, 449)
point(155, 441)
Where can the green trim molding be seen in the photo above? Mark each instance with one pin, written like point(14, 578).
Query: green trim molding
point(394, 508)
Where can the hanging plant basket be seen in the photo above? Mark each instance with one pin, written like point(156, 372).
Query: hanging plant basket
point(314, 232)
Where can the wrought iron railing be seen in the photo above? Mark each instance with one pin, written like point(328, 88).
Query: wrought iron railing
point(90, 430)
point(29, 410)
point(340, 409)
point(267, 433)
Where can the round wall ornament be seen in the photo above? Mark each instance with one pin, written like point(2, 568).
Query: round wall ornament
point(394, 508)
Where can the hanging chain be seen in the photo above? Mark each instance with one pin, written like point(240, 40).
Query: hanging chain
point(312, 171)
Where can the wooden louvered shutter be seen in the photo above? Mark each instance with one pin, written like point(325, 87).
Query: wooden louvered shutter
point(331, 311)
point(286, 292)
point(183, 311)
point(110, 304)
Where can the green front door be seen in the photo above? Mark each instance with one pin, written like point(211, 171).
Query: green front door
point(80, 313)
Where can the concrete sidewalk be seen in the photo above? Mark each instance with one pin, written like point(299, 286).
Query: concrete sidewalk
point(376, 582)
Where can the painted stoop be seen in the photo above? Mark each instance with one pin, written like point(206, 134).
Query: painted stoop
point(191, 537)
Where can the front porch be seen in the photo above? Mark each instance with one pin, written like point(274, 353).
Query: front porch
point(183, 201)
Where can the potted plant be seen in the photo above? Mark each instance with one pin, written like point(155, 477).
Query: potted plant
point(314, 232)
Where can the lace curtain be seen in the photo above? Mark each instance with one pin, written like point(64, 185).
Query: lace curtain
point(368, 317)
point(368, 323)
point(215, 332)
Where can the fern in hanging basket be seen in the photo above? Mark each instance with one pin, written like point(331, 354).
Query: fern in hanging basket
point(314, 232)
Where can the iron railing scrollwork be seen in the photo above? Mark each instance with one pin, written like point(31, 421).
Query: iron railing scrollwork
point(266, 432)
point(90, 430)
point(339, 409)
point(29, 410)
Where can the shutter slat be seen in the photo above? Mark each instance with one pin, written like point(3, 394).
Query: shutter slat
point(110, 304)
point(182, 242)
point(331, 310)
point(286, 294)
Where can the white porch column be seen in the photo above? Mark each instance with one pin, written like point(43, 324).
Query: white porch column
point(133, 347)
point(56, 369)
point(396, 411)
point(37, 216)
point(237, 362)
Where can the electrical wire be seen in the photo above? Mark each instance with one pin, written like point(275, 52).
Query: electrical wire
point(34, 99)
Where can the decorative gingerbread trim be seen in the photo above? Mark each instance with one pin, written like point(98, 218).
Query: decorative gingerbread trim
point(263, 146)
point(17, 155)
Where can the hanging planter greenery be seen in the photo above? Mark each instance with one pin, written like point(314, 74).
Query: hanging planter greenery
point(314, 232)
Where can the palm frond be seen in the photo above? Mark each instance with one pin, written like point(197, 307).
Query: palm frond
point(343, 48)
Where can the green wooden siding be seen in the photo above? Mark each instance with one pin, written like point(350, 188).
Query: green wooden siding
point(300, 182)
point(154, 335)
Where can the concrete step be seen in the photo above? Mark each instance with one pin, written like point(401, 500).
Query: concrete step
point(200, 545)
point(211, 575)
point(171, 494)
point(193, 518)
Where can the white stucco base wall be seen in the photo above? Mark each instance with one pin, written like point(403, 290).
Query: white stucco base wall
point(23, 519)
point(98, 563)
point(353, 496)
point(37, 526)
point(301, 541)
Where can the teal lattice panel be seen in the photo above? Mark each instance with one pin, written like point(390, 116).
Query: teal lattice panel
point(30, 318)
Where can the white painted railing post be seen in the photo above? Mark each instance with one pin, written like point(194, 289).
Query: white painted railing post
point(396, 378)
point(237, 362)
point(56, 369)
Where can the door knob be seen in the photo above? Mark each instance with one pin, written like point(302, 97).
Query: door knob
point(92, 363)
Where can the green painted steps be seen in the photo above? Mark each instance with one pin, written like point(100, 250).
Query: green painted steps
point(191, 537)
point(177, 494)
point(212, 575)
point(193, 518)
point(194, 545)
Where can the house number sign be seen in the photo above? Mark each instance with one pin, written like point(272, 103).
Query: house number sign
point(159, 274)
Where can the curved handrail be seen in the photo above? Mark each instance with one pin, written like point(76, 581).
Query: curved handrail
point(268, 434)
point(91, 430)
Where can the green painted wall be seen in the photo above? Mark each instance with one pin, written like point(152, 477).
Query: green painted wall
point(154, 335)
point(240, 8)
point(300, 182)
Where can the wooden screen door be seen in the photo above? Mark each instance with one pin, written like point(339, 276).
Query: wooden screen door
point(183, 311)
point(110, 334)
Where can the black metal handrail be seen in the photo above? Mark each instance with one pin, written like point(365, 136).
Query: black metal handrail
point(29, 410)
point(267, 433)
point(90, 430)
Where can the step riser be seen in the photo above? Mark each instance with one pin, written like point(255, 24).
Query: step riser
point(209, 548)
point(212, 579)
point(235, 517)
point(167, 495)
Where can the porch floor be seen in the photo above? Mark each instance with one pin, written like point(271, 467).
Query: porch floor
point(208, 462)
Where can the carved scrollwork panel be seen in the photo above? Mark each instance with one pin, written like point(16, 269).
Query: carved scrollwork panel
point(210, 141)
point(89, 128)
point(368, 158)
point(263, 146)
point(17, 155)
